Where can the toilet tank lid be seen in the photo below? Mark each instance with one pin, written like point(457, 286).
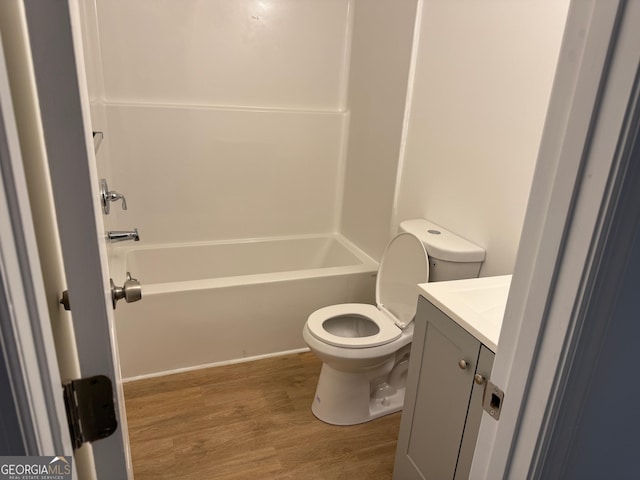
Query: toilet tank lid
point(441, 243)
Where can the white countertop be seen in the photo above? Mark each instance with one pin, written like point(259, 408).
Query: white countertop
point(476, 304)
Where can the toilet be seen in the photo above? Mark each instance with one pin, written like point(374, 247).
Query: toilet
point(365, 348)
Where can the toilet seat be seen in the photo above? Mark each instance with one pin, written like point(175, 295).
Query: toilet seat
point(404, 264)
point(387, 332)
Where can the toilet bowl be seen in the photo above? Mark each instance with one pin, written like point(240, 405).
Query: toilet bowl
point(365, 348)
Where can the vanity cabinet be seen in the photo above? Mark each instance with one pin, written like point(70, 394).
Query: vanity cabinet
point(443, 404)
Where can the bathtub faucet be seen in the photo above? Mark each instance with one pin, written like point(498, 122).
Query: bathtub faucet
point(121, 236)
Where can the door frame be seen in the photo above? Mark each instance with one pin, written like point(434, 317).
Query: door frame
point(574, 197)
point(33, 383)
point(54, 30)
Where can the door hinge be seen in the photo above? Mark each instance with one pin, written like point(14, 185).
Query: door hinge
point(64, 301)
point(90, 409)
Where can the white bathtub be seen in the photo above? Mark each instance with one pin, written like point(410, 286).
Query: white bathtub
point(221, 302)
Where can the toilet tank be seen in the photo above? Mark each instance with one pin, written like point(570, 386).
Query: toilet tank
point(450, 257)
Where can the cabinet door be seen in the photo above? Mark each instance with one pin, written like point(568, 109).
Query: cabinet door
point(437, 396)
point(472, 427)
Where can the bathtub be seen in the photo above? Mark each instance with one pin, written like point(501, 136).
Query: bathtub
point(223, 302)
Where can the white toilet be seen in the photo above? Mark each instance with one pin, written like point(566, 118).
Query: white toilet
point(365, 348)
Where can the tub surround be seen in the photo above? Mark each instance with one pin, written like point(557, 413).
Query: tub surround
point(381, 44)
point(225, 120)
point(278, 110)
point(216, 173)
point(283, 54)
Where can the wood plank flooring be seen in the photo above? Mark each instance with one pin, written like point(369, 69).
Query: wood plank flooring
point(250, 421)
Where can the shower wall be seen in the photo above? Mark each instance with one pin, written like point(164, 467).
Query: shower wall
point(222, 119)
point(380, 62)
point(251, 118)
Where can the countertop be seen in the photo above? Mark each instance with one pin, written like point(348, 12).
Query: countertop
point(476, 304)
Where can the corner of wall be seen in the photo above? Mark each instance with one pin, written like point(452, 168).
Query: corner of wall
point(381, 55)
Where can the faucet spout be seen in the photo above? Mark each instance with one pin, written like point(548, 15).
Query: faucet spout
point(123, 235)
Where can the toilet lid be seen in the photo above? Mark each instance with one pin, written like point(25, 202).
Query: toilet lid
point(404, 264)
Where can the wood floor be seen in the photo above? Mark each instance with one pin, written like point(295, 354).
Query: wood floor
point(250, 421)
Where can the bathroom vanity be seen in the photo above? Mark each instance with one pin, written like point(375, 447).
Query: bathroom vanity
point(456, 333)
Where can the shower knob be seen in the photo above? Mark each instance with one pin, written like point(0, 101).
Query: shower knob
point(131, 291)
point(107, 196)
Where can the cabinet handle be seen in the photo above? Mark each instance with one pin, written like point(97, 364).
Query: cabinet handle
point(479, 379)
point(463, 364)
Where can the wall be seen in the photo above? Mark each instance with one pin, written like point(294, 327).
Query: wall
point(222, 119)
point(231, 119)
point(480, 94)
point(380, 58)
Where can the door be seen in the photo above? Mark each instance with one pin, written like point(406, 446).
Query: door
point(32, 417)
point(54, 35)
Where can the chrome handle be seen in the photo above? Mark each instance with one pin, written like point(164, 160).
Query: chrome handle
point(113, 196)
point(131, 291)
point(463, 364)
point(122, 235)
point(107, 196)
point(479, 379)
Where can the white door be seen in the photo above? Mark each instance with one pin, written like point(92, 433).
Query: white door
point(54, 35)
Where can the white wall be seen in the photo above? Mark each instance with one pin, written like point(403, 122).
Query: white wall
point(222, 119)
point(482, 84)
point(380, 58)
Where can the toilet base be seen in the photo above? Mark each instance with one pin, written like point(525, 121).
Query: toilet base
point(345, 398)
